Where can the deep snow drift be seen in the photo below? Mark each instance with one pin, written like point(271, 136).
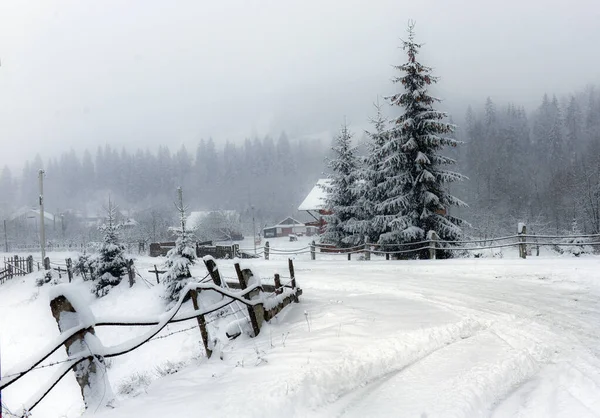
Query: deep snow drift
point(460, 338)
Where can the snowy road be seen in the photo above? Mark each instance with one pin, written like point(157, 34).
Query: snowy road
point(537, 353)
point(455, 338)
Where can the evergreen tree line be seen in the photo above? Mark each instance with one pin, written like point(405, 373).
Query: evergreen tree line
point(543, 169)
point(272, 175)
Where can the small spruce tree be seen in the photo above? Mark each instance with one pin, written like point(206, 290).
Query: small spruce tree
point(180, 258)
point(341, 194)
point(110, 264)
point(368, 188)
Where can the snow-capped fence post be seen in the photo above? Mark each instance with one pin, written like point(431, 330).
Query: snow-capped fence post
point(92, 380)
point(433, 237)
point(201, 323)
point(313, 252)
point(130, 272)
point(267, 250)
point(256, 313)
point(47, 263)
point(522, 231)
point(292, 277)
point(211, 266)
point(278, 289)
point(30, 264)
point(69, 263)
point(367, 249)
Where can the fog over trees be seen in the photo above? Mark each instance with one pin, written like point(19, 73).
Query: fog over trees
point(540, 166)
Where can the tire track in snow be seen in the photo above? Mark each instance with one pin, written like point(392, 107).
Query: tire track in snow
point(459, 380)
point(458, 332)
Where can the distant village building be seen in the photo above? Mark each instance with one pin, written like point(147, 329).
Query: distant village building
point(31, 215)
point(288, 226)
point(315, 205)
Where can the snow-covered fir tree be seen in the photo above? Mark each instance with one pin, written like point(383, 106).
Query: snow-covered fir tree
point(110, 264)
point(415, 198)
point(341, 194)
point(367, 189)
point(179, 258)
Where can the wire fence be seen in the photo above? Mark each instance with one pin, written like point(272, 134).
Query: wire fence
point(247, 300)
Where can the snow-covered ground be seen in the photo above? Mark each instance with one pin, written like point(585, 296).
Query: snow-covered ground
point(461, 338)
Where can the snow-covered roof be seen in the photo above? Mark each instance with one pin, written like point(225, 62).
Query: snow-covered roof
point(316, 198)
point(30, 212)
point(287, 222)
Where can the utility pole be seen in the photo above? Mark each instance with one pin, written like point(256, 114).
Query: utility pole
point(5, 238)
point(42, 223)
point(253, 229)
point(181, 208)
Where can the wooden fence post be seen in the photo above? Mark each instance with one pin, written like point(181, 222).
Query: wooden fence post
point(522, 231)
point(131, 272)
point(349, 256)
point(432, 244)
point(367, 249)
point(256, 313)
point(69, 269)
point(213, 270)
point(278, 289)
point(156, 272)
point(90, 374)
point(267, 250)
point(10, 271)
point(47, 263)
point(30, 264)
point(201, 323)
point(15, 261)
point(292, 277)
point(313, 252)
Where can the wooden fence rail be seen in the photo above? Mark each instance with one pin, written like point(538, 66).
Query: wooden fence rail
point(73, 320)
point(433, 246)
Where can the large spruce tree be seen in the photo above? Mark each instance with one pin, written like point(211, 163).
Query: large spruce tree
point(415, 197)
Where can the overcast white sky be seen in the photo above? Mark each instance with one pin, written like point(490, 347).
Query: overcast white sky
point(140, 73)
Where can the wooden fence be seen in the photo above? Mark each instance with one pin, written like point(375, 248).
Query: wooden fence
point(16, 266)
point(202, 249)
point(262, 302)
point(433, 247)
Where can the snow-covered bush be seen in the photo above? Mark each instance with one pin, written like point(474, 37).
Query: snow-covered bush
point(48, 277)
point(110, 263)
point(134, 385)
point(575, 246)
point(84, 265)
point(169, 367)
